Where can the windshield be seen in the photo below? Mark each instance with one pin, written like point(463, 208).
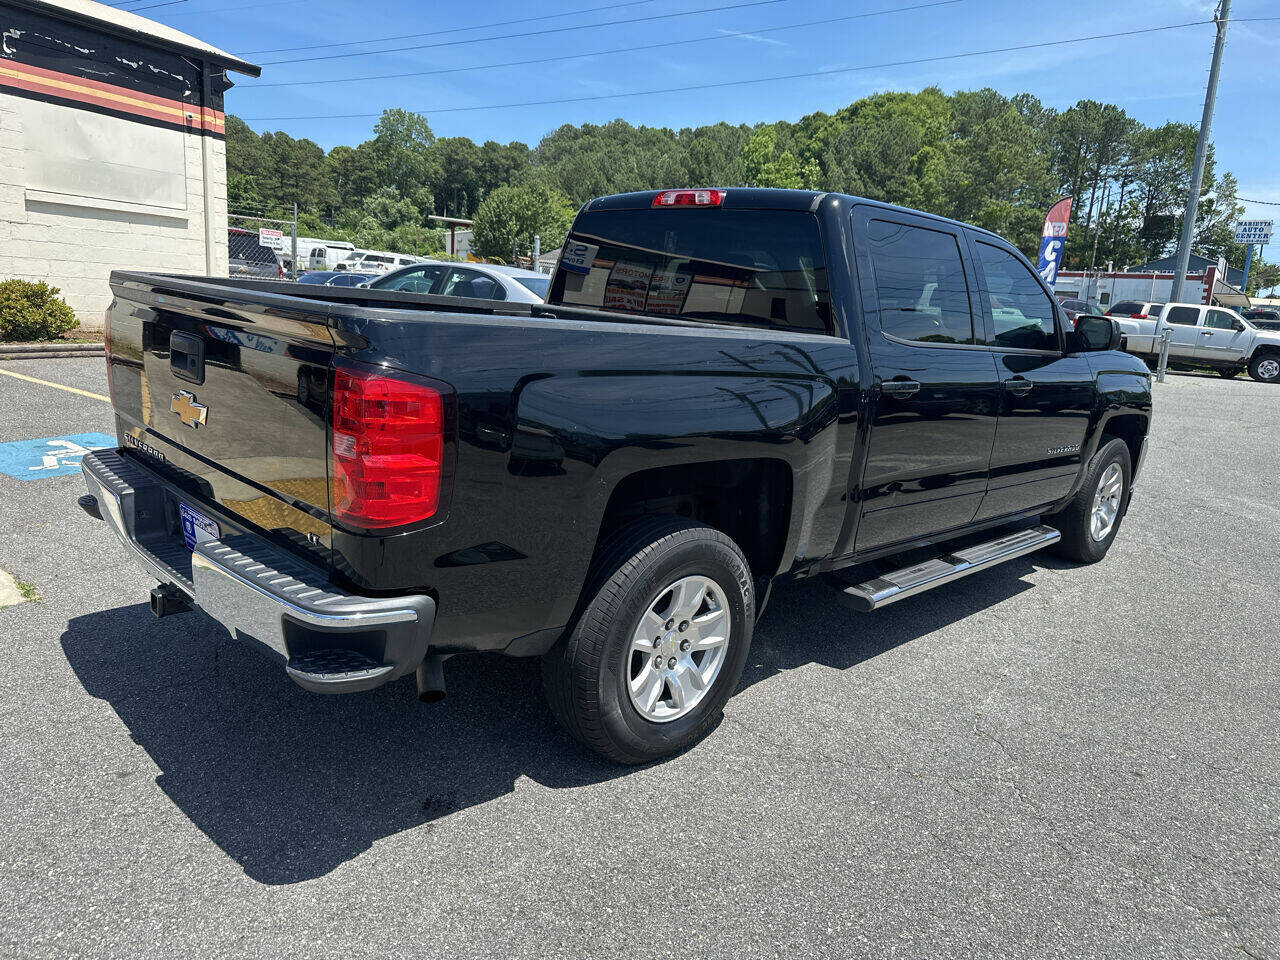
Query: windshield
point(538, 285)
point(759, 268)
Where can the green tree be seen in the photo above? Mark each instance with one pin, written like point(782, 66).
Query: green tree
point(402, 149)
point(765, 165)
point(511, 216)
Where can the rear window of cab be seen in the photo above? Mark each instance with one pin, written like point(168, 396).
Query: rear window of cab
point(758, 268)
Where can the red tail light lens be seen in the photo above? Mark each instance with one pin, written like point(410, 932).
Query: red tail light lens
point(388, 447)
point(689, 198)
point(1137, 316)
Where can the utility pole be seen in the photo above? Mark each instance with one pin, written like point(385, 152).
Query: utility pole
point(1197, 168)
point(293, 233)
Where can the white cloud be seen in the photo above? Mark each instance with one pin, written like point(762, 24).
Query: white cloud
point(755, 37)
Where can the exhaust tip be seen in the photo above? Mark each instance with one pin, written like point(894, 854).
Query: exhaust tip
point(431, 679)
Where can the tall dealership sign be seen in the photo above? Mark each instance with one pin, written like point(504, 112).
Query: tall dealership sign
point(1054, 240)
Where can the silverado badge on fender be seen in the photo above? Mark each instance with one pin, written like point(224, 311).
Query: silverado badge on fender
point(188, 409)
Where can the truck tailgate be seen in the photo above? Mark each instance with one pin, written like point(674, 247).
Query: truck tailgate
point(228, 393)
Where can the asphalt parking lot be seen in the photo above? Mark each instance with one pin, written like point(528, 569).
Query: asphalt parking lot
point(1038, 761)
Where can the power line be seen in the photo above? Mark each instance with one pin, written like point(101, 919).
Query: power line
point(152, 6)
point(602, 53)
point(526, 33)
point(736, 83)
point(437, 33)
point(1265, 203)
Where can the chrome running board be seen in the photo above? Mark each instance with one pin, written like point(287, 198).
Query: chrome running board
point(890, 587)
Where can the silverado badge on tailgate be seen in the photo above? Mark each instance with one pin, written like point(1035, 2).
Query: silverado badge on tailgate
point(188, 409)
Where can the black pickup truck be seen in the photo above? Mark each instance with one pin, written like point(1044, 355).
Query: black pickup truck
point(725, 389)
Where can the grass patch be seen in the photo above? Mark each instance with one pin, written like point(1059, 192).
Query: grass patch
point(28, 590)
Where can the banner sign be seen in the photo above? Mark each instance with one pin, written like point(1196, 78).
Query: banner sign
point(1254, 231)
point(1053, 240)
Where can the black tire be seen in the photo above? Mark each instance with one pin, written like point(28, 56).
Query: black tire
point(586, 673)
point(1074, 521)
point(1265, 368)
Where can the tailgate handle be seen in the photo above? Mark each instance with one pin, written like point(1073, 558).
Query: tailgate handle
point(186, 357)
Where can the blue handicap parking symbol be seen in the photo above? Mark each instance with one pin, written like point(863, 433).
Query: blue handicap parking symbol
point(51, 456)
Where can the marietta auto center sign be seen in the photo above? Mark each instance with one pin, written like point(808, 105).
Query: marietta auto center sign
point(1254, 231)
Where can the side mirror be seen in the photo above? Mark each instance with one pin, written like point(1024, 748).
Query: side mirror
point(1094, 333)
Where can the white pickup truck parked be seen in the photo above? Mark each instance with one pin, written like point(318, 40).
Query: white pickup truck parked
point(1201, 336)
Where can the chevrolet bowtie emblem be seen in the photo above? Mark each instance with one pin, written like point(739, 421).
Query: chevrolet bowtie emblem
point(192, 412)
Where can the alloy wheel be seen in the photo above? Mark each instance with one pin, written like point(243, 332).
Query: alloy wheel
point(678, 648)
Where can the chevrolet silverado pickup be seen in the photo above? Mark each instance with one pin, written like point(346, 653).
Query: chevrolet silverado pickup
point(1202, 336)
point(726, 389)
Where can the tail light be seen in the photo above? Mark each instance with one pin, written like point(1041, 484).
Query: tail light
point(689, 198)
point(388, 448)
point(1137, 316)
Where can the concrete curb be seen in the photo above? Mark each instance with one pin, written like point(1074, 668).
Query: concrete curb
point(38, 351)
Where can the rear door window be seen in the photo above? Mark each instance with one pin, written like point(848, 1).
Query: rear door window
point(758, 268)
point(1021, 311)
point(1183, 316)
point(920, 284)
point(472, 283)
point(417, 280)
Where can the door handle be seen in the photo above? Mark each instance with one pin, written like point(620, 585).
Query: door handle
point(900, 388)
point(1206, 333)
point(1019, 386)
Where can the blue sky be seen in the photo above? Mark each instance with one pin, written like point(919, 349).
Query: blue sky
point(1155, 76)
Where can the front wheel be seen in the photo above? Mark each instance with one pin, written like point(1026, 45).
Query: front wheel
point(660, 643)
point(1266, 368)
point(1090, 522)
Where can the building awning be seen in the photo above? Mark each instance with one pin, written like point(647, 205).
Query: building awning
point(1225, 295)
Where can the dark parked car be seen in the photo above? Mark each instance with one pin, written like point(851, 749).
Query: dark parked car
point(1264, 318)
point(247, 257)
point(344, 279)
point(320, 276)
point(725, 390)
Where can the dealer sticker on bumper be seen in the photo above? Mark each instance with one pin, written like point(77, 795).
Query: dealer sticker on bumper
point(196, 527)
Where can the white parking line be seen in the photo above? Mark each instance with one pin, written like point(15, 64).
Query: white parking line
point(57, 386)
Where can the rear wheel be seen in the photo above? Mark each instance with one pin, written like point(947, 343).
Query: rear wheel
point(660, 643)
point(1266, 368)
point(1091, 520)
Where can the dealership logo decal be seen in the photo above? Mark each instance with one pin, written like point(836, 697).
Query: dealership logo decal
point(189, 410)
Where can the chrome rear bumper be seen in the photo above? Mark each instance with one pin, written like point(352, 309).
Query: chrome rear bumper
point(332, 641)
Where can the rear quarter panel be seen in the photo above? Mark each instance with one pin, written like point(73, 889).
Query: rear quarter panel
point(552, 414)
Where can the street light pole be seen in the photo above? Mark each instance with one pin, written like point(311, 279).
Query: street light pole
point(1197, 168)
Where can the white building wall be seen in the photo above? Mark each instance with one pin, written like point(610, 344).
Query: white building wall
point(73, 240)
point(1113, 287)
